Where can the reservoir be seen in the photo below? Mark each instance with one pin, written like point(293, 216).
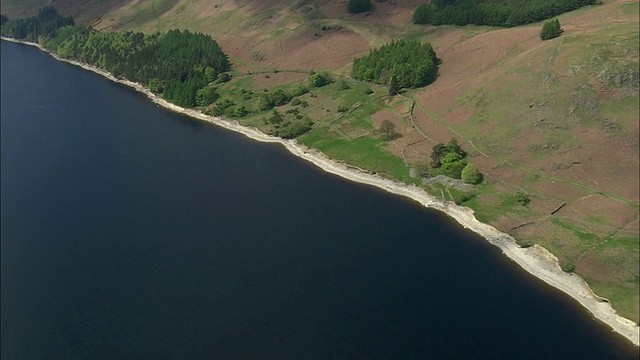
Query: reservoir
point(132, 232)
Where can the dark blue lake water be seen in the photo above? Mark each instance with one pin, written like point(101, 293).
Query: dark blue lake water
point(130, 232)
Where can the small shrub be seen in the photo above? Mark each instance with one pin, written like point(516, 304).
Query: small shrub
point(256, 56)
point(275, 118)
point(569, 267)
point(299, 90)
point(223, 78)
point(240, 111)
point(224, 103)
point(522, 198)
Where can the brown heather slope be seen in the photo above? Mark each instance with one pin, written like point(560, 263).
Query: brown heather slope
point(557, 119)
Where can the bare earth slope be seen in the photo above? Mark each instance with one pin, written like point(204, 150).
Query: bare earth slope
point(556, 119)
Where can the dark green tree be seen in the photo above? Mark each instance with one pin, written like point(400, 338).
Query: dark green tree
point(450, 158)
point(206, 96)
point(437, 154)
point(358, 6)
point(551, 29)
point(454, 147)
point(223, 78)
point(493, 12)
point(45, 24)
point(423, 14)
point(394, 87)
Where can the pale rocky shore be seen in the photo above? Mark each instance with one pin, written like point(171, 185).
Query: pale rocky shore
point(535, 259)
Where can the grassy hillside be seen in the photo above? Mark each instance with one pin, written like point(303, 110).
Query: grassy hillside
point(556, 119)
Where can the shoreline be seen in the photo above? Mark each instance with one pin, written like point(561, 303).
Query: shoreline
point(536, 260)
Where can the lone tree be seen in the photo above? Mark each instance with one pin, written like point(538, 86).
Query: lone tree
point(551, 29)
point(358, 6)
point(388, 130)
point(394, 87)
point(471, 175)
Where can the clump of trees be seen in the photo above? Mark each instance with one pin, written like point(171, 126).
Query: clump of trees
point(290, 125)
point(44, 24)
point(412, 63)
point(493, 12)
point(222, 107)
point(293, 129)
point(207, 95)
point(319, 79)
point(451, 160)
point(273, 98)
point(358, 6)
point(177, 64)
point(551, 29)
point(439, 151)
